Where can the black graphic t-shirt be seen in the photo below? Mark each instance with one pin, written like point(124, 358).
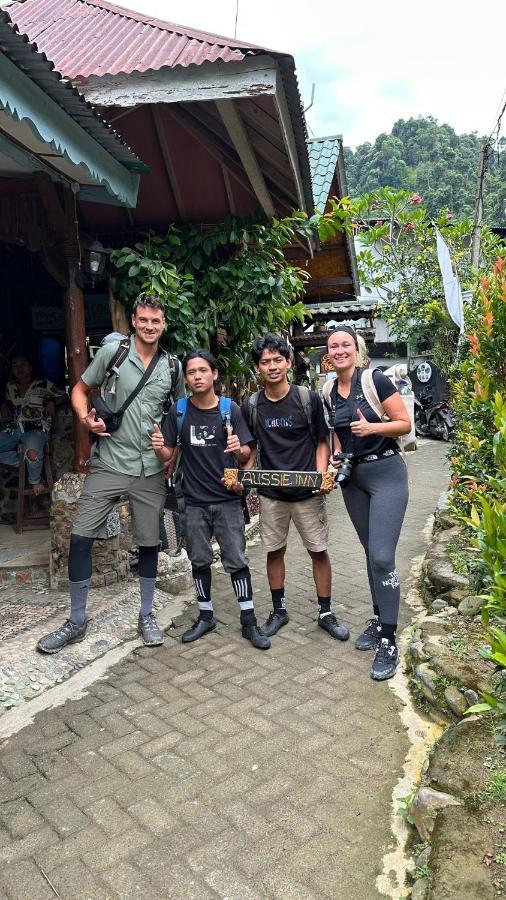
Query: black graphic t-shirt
point(203, 442)
point(285, 441)
point(346, 412)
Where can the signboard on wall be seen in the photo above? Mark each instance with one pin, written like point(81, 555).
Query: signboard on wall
point(96, 309)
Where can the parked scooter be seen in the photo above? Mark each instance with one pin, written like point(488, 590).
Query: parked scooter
point(433, 420)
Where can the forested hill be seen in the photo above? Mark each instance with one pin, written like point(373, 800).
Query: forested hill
point(431, 160)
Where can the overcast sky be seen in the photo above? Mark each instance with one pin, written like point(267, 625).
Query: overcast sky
point(372, 62)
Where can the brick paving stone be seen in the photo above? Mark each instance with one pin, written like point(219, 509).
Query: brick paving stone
point(24, 879)
point(212, 770)
point(19, 818)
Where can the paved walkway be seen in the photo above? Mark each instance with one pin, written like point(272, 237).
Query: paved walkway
point(214, 770)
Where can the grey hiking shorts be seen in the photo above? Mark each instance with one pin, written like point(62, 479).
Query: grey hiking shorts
point(225, 522)
point(102, 490)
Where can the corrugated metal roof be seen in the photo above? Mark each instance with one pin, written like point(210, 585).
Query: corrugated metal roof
point(94, 37)
point(323, 157)
point(41, 70)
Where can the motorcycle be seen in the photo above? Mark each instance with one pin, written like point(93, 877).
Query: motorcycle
point(433, 420)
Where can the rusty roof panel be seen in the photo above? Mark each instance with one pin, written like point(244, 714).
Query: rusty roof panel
point(93, 37)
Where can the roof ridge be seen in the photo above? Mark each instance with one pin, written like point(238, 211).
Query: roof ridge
point(167, 26)
point(328, 137)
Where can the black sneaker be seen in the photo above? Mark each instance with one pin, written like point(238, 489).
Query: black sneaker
point(276, 620)
point(385, 661)
point(337, 630)
point(370, 637)
point(253, 634)
point(149, 631)
point(198, 629)
point(68, 633)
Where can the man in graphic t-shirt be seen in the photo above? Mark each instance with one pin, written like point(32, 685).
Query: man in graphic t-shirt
point(210, 441)
point(289, 427)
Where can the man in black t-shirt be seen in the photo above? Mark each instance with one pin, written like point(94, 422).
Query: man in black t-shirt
point(210, 440)
point(291, 433)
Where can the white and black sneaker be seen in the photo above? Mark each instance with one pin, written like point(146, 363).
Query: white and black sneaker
point(370, 637)
point(385, 661)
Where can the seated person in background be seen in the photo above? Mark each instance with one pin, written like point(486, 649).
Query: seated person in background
point(30, 404)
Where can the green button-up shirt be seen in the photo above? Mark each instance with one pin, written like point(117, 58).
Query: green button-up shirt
point(128, 450)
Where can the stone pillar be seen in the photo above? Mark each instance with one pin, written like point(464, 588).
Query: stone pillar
point(110, 560)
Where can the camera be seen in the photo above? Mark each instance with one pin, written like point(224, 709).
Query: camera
point(344, 471)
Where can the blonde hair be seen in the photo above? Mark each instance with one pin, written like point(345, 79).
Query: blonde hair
point(363, 357)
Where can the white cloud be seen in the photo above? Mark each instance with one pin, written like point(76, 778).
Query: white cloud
point(372, 62)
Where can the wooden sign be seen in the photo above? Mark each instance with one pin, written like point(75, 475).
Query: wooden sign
point(267, 478)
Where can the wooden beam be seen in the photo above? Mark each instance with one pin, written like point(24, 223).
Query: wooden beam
point(238, 135)
point(275, 176)
point(249, 77)
point(169, 167)
point(317, 283)
point(228, 189)
point(214, 147)
point(51, 202)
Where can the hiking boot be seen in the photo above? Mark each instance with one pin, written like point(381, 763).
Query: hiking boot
point(253, 634)
point(336, 629)
point(276, 620)
point(198, 629)
point(68, 633)
point(370, 637)
point(149, 631)
point(385, 661)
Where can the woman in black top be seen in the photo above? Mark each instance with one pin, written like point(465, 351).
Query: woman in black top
point(376, 493)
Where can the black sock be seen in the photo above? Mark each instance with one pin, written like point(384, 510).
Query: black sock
point(376, 610)
point(388, 631)
point(202, 580)
point(248, 617)
point(324, 604)
point(278, 598)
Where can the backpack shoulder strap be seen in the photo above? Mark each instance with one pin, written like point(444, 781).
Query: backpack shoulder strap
point(305, 400)
point(327, 391)
point(226, 410)
point(181, 407)
point(252, 412)
point(371, 394)
point(118, 358)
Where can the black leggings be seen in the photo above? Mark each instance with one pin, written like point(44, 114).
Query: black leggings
point(376, 498)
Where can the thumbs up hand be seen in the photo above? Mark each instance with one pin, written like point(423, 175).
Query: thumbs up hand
point(157, 441)
point(362, 427)
point(233, 442)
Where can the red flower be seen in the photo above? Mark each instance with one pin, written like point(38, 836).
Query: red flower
point(378, 223)
point(449, 215)
point(415, 198)
point(409, 226)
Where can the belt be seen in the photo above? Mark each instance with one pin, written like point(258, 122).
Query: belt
point(372, 457)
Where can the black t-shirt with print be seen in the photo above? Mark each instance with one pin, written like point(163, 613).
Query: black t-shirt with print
point(346, 412)
point(285, 440)
point(203, 442)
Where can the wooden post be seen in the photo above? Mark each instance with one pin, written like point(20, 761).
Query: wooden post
point(75, 339)
point(119, 316)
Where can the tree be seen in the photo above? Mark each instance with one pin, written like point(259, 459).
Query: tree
point(399, 259)
point(224, 285)
point(424, 157)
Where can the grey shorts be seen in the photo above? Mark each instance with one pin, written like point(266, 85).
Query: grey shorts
point(102, 490)
point(225, 522)
point(309, 517)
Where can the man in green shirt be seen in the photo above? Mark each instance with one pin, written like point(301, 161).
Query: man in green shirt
point(122, 463)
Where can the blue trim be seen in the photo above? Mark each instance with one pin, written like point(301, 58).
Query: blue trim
point(23, 100)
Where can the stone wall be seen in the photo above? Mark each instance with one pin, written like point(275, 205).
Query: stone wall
point(110, 558)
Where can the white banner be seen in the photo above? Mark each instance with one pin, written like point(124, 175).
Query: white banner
point(451, 286)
